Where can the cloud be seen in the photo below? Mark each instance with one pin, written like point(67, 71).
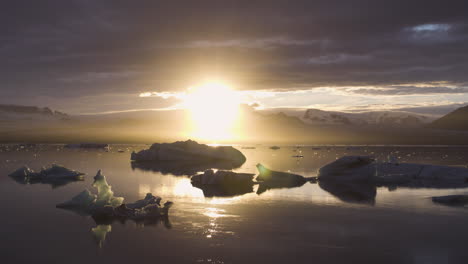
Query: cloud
point(164, 95)
point(77, 48)
point(431, 28)
point(255, 43)
point(405, 90)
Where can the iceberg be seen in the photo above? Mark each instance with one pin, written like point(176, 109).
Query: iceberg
point(87, 146)
point(366, 169)
point(105, 207)
point(222, 177)
point(56, 175)
point(189, 151)
point(284, 178)
point(223, 183)
point(182, 168)
point(270, 179)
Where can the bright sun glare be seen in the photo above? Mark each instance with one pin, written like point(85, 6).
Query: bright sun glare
point(214, 109)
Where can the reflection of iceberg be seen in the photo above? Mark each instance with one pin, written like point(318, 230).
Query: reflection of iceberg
point(451, 200)
point(55, 175)
point(265, 186)
point(182, 168)
point(351, 192)
point(269, 179)
point(224, 190)
point(100, 233)
point(189, 151)
point(223, 183)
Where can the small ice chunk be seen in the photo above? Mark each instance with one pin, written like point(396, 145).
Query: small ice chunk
point(84, 200)
point(148, 200)
point(24, 171)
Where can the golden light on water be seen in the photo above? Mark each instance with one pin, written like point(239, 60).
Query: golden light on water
point(214, 109)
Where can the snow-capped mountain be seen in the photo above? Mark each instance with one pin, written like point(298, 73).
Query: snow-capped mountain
point(381, 118)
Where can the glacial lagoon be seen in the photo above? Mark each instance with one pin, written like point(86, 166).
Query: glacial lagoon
point(312, 223)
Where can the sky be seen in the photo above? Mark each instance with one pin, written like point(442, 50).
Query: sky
point(95, 56)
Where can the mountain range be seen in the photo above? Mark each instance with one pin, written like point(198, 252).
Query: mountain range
point(308, 126)
point(456, 120)
point(379, 118)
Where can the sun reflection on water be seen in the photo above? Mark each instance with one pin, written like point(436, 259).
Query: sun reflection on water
point(181, 188)
point(214, 228)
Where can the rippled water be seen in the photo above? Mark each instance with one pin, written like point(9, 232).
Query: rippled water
point(310, 223)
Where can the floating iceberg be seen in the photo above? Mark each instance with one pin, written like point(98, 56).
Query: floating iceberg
point(189, 151)
point(364, 168)
point(105, 207)
point(269, 179)
point(286, 178)
point(89, 203)
point(223, 183)
point(55, 175)
point(87, 146)
point(183, 167)
point(348, 168)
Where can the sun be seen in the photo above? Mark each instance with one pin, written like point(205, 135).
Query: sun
point(214, 109)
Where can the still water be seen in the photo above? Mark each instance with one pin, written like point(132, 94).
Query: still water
point(305, 224)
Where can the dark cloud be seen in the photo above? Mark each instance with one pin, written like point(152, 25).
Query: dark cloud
point(75, 48)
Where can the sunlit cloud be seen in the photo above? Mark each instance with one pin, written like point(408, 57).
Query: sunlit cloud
point(341, 98)
point(164, 95)
point(403, 90)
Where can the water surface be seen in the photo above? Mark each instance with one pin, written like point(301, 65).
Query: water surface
point(309, 223)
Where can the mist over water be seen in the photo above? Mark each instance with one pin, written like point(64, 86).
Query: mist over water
point(312, 222)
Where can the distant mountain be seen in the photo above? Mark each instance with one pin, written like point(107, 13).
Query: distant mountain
point(456, 120)
point(380, 118)
point(19, 112)
point(312, 126)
